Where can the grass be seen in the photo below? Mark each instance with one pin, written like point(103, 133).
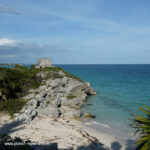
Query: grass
point(71, 96)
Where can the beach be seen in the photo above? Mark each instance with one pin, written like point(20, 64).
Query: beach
point(75, 114)
point(74, 75)
point(68, 134)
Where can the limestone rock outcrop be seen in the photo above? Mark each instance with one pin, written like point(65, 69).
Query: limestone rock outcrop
point(56, 97)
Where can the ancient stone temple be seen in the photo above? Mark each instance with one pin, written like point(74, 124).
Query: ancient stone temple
point(44, 62)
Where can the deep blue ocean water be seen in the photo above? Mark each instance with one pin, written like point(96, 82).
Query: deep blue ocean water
point(121, 90)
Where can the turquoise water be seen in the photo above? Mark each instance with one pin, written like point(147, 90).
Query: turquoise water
point(121, 89)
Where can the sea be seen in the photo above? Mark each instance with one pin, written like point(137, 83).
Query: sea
point(121, 90)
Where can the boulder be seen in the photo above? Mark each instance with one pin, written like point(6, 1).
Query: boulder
point(75, 103)
point(30, 96)
point(70, 112)
point(56, 83)
point(49, 111)
point(57, 102)
point(88, 115)
point(27, 116)
point(65, 102)
point(29, 112)
point(33, 104)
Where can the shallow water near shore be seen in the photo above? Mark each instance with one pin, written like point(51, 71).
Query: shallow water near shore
point(121, 90)
point(110, 130)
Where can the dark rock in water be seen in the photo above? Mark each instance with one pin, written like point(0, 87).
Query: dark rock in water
point(88, 115)
point(89, 104)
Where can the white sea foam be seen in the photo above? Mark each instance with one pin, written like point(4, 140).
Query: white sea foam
point(104, 125)
point(95, 122)
point(87, 123)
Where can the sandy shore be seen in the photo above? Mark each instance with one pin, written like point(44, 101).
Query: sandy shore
point(69, 134)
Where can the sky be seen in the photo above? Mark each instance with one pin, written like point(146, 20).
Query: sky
point(75, 31)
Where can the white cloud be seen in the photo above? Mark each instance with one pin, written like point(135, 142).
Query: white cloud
point(11, 48)
point(9, 10)
point(7, 42)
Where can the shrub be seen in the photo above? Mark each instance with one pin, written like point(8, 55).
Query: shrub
point(47, 102)
point(71, 96)
point(12, 106)
point(14, 84)
point(142, 126)
point(53, 75)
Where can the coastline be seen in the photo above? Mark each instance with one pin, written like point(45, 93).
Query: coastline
point(53, 114)
point(65, 132)
point(105, 128)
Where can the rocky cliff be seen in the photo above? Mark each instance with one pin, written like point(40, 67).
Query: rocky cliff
point(60, 94)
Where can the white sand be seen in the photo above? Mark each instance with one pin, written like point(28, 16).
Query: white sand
point(67, 133)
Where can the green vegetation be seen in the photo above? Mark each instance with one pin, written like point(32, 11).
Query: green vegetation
point(53, 73)
point(72, 76)
point(142, 126)
point(71, 96)
point(12, 106)
point(15, 83)
point(47, 102)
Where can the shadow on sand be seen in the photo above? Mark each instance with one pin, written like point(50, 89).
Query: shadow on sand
point(129, 145)
point(11, 127)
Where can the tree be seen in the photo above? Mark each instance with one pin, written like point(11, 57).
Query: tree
point(141, 124)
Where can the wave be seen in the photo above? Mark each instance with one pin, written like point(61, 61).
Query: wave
point(104, 125)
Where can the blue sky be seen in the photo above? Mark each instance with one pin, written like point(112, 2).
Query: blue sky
point(75, 31)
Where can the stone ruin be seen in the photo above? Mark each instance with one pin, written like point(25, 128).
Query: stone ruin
point(44, 62)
